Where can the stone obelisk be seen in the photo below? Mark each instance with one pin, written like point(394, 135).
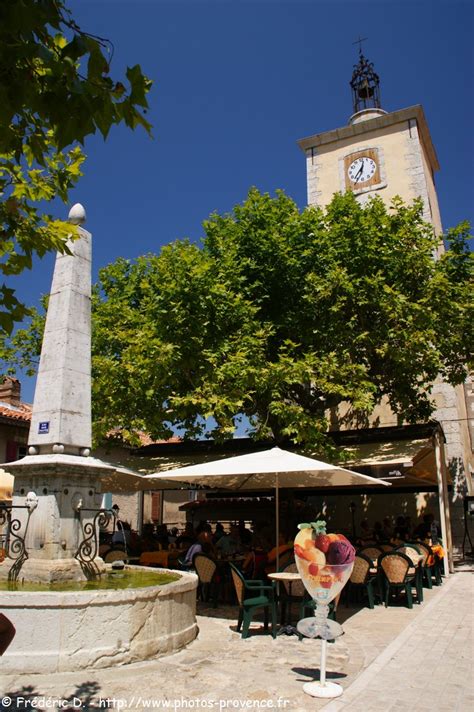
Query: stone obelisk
point(58, 473)
point(61, 418)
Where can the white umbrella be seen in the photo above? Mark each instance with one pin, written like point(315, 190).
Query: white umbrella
point(262, 470)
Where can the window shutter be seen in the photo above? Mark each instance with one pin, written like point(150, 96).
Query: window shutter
point(156, 506)
point(11, 451)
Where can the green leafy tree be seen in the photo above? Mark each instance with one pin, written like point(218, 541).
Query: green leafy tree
point(55, 90)
point(281, 316)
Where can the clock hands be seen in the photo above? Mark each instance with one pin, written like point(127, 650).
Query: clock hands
point(361, 170)
point(359, 173)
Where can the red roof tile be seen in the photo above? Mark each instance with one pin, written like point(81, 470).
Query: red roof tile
point(22, 412)
point(144, 438)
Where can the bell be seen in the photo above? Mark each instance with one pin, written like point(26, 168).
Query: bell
point(365, 91)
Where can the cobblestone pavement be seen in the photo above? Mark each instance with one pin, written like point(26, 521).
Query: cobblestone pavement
point(388, 657)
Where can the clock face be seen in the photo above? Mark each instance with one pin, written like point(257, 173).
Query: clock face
point(361, 170)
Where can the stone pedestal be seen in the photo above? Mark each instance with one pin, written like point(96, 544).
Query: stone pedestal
point(68, 489)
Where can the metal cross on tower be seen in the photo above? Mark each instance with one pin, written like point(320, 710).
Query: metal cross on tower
point(359, 42)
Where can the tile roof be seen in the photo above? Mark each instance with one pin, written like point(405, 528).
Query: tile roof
point(145, 439)
point(21, 412)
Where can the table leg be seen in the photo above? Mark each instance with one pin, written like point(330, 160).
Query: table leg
point(287, 628)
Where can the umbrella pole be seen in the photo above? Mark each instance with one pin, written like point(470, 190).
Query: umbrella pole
point(277, 521)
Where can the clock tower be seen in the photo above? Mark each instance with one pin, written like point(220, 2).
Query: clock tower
point(377, 153)
point(391, 154)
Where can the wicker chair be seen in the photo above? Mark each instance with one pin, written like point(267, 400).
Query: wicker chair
point(259, 596)
point(373, 552)
point(103, 549)
point(362, 580)
point(385, 547)
point(398, 573)
point(413, 552)
point(114, 555)
point(206, 570)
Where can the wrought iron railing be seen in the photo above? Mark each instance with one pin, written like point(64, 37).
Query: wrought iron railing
point(12, 543)
point(88, 549)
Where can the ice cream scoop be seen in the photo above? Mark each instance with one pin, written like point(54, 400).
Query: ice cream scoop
point(340, 552)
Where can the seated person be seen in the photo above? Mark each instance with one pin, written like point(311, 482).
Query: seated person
point(148, 541)
point(218, 533)
point(172, 537)
point(187, 537)
point(366, 536)
point(245, 534)
point(282, 548)
point(427, 528)
point(203, 526)
point(229, 545)
point(378, 533)
point(387, 530)
point(162, 535)
point(400, 532)
point(203, 545)
point(122, 536)
point(254, 564)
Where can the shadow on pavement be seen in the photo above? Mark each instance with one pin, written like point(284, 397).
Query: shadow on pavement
point(86, 697)
point(315, 673)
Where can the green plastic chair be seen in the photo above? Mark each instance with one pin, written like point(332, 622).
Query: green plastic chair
point(397, 568)
point(362, 579)
point(412, 551)
point(431, 572)
point(252, 597)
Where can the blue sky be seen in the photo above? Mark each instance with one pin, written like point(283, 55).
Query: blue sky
point(236, 84)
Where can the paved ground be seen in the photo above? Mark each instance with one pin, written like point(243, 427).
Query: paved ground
point(389, 658)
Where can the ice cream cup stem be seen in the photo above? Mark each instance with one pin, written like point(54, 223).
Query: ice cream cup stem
point(322, 674)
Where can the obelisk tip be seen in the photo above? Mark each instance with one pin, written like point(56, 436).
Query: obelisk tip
point(77, 214)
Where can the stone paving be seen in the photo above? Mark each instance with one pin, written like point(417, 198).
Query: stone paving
point(389, 658)
point(429, 666)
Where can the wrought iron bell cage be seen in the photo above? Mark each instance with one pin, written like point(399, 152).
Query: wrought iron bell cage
point(365, 85)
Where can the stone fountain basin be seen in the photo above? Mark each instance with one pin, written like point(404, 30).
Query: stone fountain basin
point(69, 631)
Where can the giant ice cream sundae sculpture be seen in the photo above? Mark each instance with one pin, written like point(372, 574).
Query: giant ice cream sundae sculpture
point(325, 563)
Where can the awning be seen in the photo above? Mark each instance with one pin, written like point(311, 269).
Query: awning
point(406, 462)
point(224, 501)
